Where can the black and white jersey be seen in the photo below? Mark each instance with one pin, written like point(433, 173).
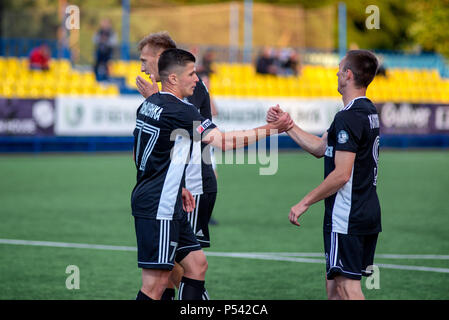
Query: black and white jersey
point(165, 129)
point(200, 176)
point(355, 208)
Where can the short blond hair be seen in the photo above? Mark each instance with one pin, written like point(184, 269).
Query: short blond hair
point(156, 41)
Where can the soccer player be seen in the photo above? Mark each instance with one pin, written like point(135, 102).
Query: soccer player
point(200, 178)
point(351, 150)
point(166, 128)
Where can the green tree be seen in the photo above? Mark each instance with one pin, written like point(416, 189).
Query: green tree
point(431, 28)
point(395, 20)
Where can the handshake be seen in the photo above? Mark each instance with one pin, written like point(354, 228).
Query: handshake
point(279, 119)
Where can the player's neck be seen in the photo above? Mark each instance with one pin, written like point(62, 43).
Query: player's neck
point(353, 93)
point(173, 90)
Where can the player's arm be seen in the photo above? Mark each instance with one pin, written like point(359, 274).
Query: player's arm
point(311, 143)
point(344, 162)
point(242, 138)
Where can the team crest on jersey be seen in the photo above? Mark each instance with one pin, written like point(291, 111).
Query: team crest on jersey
point(342, 137)
point(203, 126)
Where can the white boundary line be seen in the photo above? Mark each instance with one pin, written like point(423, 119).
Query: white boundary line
point(66, 245)
point(273, 256)
point(386, 256)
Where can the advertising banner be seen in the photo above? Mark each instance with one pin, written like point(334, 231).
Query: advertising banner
point(406, 118)
point(115, 116)
point(90, 116)
point(96, 116)
point(313, 115)
point(27, 117)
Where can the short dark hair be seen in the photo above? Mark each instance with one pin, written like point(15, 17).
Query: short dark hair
point(173, 58)
point(158, 40)
point(363, 64)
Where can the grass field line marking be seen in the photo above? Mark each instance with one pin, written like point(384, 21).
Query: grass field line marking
point(66, 245)
point(385, 256)
point(290, 254)
point(273, 256)
point(414, 268)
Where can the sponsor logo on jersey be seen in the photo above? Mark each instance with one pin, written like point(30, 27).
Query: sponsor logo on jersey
point(203, 126)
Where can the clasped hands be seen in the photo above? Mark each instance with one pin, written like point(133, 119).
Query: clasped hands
point(279, 119)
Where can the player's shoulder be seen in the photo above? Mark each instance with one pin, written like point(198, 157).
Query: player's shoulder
point(356, 108)
point(169, 100)
point(200, 89)
point(202, 86)
point(362, 104)
point(346, 114)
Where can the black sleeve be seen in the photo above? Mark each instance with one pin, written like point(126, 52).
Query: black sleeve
point(192, 121)
point(348, 130)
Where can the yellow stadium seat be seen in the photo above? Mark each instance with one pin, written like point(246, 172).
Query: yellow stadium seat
point(20, 92)
point(112, 90)
point(34, 92)
point(8, 91)
point(48, 92)
point(401, 84)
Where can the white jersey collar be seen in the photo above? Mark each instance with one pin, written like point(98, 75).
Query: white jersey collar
point(349, 105)
point(186, 102)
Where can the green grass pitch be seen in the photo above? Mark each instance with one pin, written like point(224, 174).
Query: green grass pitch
point(86, 199)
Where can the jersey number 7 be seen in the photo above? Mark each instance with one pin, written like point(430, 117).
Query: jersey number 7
point(153, 135)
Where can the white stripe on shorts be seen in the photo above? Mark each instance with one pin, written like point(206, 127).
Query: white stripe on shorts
point(181, 289)
point(196, 213)
point(164, 241)
point(193, 216)
point(334, 249)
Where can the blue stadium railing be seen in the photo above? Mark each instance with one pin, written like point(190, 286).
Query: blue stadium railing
point(416, 61)
point(15, 47)
point(41, 144)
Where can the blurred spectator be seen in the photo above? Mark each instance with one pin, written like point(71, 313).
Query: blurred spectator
point(381, 71)
point(105, 41)
point(282, 62)
point(40, 57)
point(290, 63)
point(265, 63)
point(204, 71)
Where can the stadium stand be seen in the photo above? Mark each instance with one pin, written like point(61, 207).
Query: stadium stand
point(400, 84)
point(18, 81)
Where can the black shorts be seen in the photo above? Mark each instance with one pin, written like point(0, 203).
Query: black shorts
point(200, 216)
point(349, 255)
point(160, 242)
